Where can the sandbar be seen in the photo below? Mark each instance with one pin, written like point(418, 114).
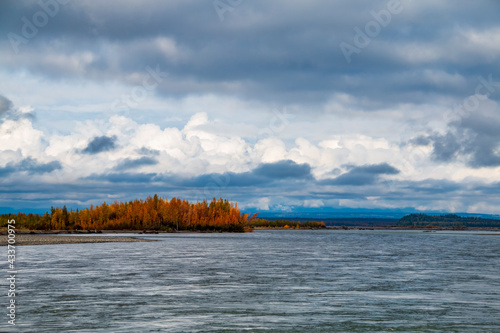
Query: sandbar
point(42, 239)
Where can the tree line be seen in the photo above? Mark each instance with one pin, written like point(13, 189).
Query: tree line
point(154, 213)
point(264, 223)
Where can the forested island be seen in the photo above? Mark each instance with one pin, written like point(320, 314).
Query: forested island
point(154, 213)
point(159, 214)
point(446, 221)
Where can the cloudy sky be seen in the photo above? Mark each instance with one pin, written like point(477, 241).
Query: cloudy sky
point(294, 106)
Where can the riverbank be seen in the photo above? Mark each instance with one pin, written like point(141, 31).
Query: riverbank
point(4, 231)
point(46, 239)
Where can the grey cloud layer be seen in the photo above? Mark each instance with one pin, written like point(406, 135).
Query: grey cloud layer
point(30, 166)
point(128, 163)
point(264, 174)
point(244, 185)
point(278, 51)
point(363, 175)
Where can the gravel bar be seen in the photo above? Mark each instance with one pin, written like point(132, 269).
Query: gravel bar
point(40, 239)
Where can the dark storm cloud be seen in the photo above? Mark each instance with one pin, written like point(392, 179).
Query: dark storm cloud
point(480, 136)
point(283, 169)
point(5, 105)
point(7, 170)
point(136, 163)
point(280, 50)
point(100, 144)
point(31, 166)
point(474, 138)
point(7, 111)
point(148, 152)
point(445, 147)
point(363, 175)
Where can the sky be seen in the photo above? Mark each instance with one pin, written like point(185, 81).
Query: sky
point(290, 106)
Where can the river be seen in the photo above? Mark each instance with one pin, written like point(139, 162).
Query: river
point(266, 281)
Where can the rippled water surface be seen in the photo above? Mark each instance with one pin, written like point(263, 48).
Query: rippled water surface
point(288, 281)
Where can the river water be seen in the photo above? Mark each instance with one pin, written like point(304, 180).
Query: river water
point(267, 281)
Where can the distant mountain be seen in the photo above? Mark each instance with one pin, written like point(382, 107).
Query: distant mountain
point(326, 213)
point(448, 220)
